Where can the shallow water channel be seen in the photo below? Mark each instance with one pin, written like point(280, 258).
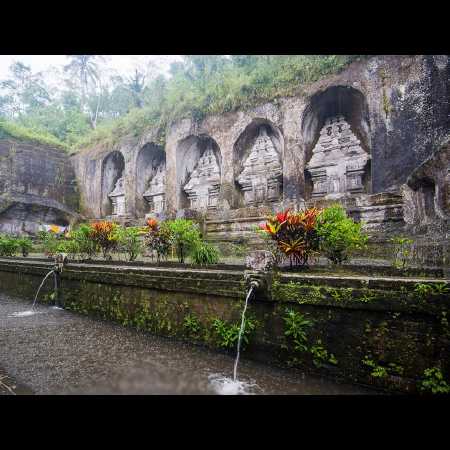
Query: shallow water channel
point(58, 352)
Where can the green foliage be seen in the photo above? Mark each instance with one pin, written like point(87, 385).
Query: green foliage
point(320, 355)
point(9, 245)
point(339, 234)
point(86, 247)
point(433, 381)
point(49, 242)
point(204, 254)
point(14, 130)
point(186, 236)
point(129, 242)
point(377, 370)
point(159, 238)
point(25, 245)
point(192, 325)
point(422, 290)
point(227, 334)
point(296, 326)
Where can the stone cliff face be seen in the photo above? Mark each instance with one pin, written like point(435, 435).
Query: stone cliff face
point(355, 137)
point(37, 186)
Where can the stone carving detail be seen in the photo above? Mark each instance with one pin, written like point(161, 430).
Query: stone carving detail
point(261, 179)
point(156, 191)
point(117, 196)
point(338, 162)
point(203, 186)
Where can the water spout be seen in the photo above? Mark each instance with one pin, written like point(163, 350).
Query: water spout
point(253, 285)
point(42, 283)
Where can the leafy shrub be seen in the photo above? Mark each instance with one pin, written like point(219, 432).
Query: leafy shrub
point(295, 327)
point(186, 236)
point(68, 246)
point(87, 247)
point(227, 334)
point(295, 234)
point(339, 235)
point(204, 253)
point(433, 381)
point(104, 236)
point(192, 325)
point(9, 246)
point(129, 242)
point(158, 238)
point(49, 242)
point(25, 245)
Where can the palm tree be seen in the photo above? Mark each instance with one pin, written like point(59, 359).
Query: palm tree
point(85, 68)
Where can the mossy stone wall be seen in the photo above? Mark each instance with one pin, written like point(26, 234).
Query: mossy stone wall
point(383, 332)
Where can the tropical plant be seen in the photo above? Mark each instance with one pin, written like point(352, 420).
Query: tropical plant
point(295, 234)
point(25, 245)
point(339, 235)
point(129, 242)
point(158, 238)
point(9, 246)
point(87, 247)
point(227, 334)
point(295, 327)
point(186, 236)
point(433, 381)
point(49, 242)
point(204, 254)
point(104, 235)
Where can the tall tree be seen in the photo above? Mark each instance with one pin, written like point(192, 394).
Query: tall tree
point(86, 70)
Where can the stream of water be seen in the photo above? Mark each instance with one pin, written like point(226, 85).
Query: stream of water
point(58, 352)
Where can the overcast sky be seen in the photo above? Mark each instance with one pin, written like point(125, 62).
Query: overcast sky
point(121, 63)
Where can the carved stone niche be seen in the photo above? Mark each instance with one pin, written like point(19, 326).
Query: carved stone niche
point(338, 162)
point(203, 186)
point(156, 191)
point(261, 179)
point(117, 197)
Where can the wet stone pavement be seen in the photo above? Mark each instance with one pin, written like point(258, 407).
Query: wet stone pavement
point(59, 352)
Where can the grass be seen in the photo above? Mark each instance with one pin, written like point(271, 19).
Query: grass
point(13, 130)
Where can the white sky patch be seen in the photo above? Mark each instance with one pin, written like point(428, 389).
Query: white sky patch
point(120, 64)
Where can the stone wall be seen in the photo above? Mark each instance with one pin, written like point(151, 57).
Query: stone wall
point(389, 114)
point(37, 186)
point(380, 331)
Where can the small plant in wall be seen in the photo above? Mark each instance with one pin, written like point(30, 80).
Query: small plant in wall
point(192, 325)
point(227, 334)
point(433, 382)
point(296, 326)
point(377, 371)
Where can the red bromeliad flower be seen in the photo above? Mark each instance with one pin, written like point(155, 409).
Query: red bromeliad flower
point(152, 224)
point(282, 216)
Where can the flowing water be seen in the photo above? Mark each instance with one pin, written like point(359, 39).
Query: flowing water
point(59, 352)
point(32, 311)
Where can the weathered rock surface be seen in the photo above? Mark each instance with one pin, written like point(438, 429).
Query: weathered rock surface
point(37, 186)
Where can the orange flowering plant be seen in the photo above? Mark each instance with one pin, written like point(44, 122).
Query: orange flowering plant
point(294, 234)
point(104, 235)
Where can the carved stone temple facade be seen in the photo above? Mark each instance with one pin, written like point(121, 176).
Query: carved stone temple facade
point(261, 178)
point(338, 163)
point(354, 137)
point(203, 186)
point(155, 194)
point(117, 196)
